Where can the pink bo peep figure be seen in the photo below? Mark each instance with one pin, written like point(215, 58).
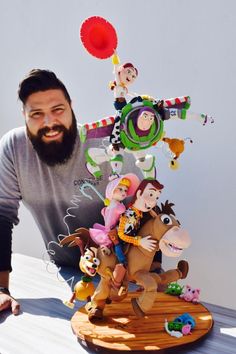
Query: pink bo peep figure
point(117, 190)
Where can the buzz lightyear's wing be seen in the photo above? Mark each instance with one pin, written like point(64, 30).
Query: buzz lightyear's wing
point(182, 102)
point(99, 129)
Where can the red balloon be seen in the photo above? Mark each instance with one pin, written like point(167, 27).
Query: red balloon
point(98, 37)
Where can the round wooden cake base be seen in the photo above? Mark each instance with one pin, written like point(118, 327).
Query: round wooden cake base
point(121, 330)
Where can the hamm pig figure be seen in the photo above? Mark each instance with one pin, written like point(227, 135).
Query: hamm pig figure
point(191, 295)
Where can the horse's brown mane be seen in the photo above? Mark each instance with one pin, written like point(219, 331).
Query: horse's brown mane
point(164, 209)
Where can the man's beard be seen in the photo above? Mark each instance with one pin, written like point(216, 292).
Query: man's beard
point(55, 153)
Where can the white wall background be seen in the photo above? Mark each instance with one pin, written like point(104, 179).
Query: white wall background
point(180, 47)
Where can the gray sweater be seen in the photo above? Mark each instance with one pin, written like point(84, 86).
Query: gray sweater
point(50, 193)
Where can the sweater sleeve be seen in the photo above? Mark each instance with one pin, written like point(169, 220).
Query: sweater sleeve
point(10, 197)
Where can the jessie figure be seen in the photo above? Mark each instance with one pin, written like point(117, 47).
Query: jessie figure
point(125, 75)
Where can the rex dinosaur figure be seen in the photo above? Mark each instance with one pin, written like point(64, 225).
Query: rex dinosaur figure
point(171, 240)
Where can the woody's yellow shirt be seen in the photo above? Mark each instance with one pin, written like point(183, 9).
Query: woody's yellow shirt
point(129, 224)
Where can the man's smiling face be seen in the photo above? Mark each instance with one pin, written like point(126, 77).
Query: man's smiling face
point(51, 125)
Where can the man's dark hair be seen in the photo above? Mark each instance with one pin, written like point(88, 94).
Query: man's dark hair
point(40, 80)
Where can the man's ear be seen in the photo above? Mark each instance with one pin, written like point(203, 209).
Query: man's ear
point(138, 193)
point(23, 112)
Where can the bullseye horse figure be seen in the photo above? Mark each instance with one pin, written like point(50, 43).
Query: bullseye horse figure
point(171, 240)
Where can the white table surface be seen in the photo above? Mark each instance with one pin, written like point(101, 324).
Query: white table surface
point(44, 323)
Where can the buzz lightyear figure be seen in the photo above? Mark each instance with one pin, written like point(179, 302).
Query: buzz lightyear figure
point(135, 131)
point(136, 127)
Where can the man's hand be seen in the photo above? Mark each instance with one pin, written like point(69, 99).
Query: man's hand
point(148, 244)
point(7, 302)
